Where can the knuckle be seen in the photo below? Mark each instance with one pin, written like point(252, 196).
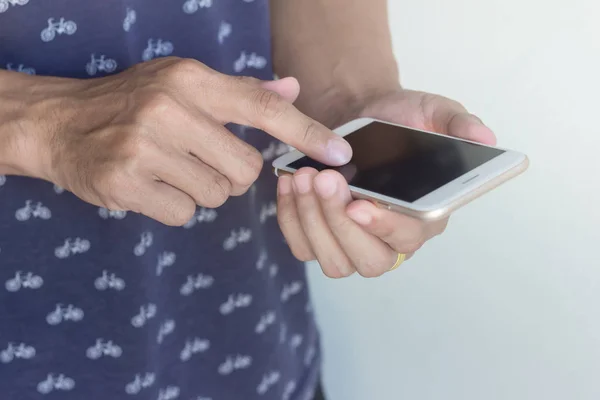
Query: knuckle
point(255, 162)
point(252, 166)
point(368, 273)
point(402, 229)
point(110, 187)
point(155, 105)
point(133, 149)
point(428, 102)
point(179, 213)
point(302, 254)
point(373, 267)
point(311, 132)
point(412, 247)
point(140, 145)
point(243, 81)
point(217, 191)
point(450, 103)
point(237, 190)
point(268, 105)
point(182, 70)
point(332, 270)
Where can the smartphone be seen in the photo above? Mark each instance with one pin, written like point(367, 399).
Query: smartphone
point(422, 174)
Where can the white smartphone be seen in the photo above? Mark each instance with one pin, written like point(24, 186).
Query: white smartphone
point(422, 174)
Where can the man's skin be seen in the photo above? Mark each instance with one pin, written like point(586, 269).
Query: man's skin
point(151, 139)
point(341, 53)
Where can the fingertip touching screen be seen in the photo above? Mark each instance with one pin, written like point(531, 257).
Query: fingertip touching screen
point(404, 163)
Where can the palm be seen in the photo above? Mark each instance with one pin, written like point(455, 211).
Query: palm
point(320, 219)
point(429, 112)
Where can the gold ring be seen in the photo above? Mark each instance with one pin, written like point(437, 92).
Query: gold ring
point(399, 261)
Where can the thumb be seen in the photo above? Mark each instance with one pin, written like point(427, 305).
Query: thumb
point(468, 126)
point(288, 88)
point(452, 118)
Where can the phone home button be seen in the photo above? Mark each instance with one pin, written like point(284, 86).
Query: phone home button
point(470, 179)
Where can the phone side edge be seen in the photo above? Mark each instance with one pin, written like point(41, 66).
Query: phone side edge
point(352, 126)
point(477, 192)
point(284, 160)
point(447, 209)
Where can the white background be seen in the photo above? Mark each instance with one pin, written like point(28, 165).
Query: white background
point(506, 304)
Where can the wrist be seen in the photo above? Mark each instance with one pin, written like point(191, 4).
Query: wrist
point(348, 92)
point(12, 131)
point(8, 159)
point(337, 105)
point(25, 125)
point(19, 154)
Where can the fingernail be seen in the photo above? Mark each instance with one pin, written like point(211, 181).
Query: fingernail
point(302, 183)
point(285, 185)
point(361, 217)
point(325, 185)
point(339, 152)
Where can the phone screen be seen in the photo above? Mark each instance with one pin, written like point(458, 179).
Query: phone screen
point(403, 163)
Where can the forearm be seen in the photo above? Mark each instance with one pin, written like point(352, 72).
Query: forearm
point(10, 112)
point(24, 111)
point(340, 50)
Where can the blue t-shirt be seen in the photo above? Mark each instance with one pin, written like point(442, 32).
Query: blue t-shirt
point(97, 304)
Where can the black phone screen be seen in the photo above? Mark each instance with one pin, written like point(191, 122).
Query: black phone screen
point(404, 163)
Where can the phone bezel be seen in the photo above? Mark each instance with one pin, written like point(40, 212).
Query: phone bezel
point(442, 201)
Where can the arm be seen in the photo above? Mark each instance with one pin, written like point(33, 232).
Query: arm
point(10, 114)
point(339, 50)
point(134, 141)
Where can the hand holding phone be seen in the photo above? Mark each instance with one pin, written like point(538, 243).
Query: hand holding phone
point(421, 175)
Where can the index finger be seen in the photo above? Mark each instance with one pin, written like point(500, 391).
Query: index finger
point(270, 112)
